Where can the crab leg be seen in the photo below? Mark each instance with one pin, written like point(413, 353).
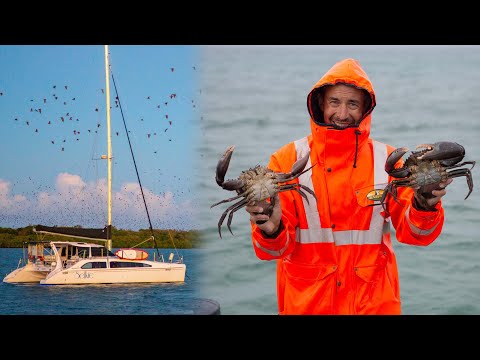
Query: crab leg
point(463, 172)
point(227, 200)
point(391, 188)
point(234, 206)
point(284, 177)
point(463, 163)
point(295, 187)
point(306, 188)
point(230, 217)
point(386, 191)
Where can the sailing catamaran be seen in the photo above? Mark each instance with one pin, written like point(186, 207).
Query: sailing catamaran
point(80, 262)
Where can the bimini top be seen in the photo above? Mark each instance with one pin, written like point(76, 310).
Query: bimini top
point(81, 233)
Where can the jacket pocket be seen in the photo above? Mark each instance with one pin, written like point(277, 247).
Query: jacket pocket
point(367, 292)
point(375, 292)
point(308, 288)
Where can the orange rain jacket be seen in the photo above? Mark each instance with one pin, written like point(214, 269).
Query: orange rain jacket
point(334, 255)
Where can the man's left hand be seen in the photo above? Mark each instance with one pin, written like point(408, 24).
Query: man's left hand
point(437, 193)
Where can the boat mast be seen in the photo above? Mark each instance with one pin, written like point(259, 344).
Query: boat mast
point(109, 149)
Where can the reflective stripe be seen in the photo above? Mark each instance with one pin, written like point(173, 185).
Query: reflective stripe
point(313, 218)
point(315, 233)
point(380, 176)
point(274, 252)
point(346, 237)
point(415, 229)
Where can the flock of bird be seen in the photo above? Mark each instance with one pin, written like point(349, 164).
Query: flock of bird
point(60, 107)
point(62, 110)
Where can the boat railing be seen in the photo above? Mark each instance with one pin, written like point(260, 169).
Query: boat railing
point(49, 258)
point(160, 258)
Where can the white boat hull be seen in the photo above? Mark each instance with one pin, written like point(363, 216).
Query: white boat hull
point(26, 274)
point(163, 273)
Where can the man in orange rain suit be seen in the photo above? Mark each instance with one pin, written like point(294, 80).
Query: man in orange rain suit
point(334, 254)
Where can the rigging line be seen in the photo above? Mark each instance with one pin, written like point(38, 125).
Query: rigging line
point(92, 164)
point(169, 234)
point(134, 162)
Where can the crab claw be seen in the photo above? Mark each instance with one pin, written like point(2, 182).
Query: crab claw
point(222, 168)
point(300, 164)
point(222, 165)
point(298, 168)
point(448, 153)
point(392, 160)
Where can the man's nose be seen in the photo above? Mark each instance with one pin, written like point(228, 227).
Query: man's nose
point(342, 112)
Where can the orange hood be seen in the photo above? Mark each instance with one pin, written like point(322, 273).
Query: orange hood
point(342, 142)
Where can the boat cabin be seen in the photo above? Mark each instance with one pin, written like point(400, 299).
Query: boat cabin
point(71, 252)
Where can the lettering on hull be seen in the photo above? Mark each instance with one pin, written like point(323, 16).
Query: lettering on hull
point(83, 275)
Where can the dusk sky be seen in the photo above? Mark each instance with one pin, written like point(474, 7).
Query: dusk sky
point(53, 133)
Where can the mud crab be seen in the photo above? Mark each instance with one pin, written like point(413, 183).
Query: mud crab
point(425, 168)
point(257, 185)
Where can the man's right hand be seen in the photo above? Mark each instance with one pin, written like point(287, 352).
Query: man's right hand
point(268, 224)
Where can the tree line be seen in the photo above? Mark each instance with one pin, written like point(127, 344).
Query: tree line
point(165, 239)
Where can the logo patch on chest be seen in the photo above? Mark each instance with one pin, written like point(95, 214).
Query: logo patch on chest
point(375, 194)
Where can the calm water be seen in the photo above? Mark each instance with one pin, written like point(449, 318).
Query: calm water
point(121, 299)
point(255, 97)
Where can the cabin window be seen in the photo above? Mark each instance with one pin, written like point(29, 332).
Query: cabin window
point(83, 252)
point(95, 265)
point(101, 251)
point(120, 264)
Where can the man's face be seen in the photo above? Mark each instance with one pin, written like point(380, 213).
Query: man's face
point(342, 105)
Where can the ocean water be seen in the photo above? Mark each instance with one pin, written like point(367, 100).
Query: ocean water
point(105, 299)
point(255, 97)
